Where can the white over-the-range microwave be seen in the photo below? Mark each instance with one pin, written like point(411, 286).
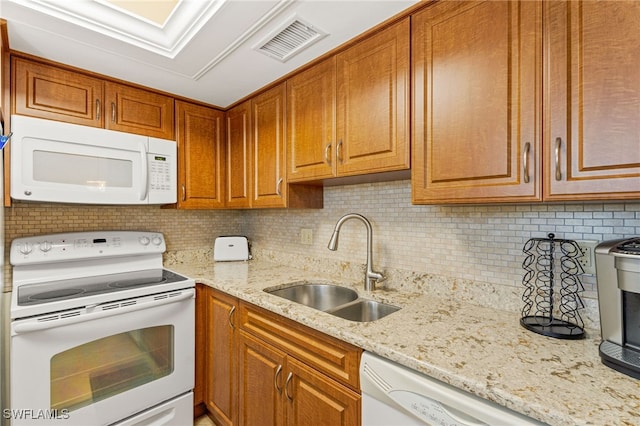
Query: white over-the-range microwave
point(53, 161)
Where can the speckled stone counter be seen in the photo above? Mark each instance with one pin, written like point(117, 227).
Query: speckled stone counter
point(481, 350)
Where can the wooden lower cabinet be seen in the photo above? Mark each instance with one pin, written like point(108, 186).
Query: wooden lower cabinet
point(260, 382)
point(200, 341)
point(276, 389)
point(292, 375)
point(221, 383)
point(265, 370)
point(313, 399)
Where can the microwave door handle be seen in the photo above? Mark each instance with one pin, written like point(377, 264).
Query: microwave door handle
point(145, 172)
point(31, 326)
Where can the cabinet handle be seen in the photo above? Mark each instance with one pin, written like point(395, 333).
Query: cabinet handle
point(113, 112)
point(184, 193)
point(98, 109)
point(525, 161)
point(279, 187)
point(275, 379)
point(339, 151)
point(286, 387)
point(233, 309)
point(327, 151)
point(558, 145)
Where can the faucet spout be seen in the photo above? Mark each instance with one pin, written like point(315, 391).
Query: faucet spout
point(371, 277)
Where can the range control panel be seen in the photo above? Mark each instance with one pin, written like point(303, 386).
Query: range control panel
point(84, 246)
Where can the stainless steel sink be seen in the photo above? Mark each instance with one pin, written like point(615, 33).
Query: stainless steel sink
point(363, 310)
point(316, 295)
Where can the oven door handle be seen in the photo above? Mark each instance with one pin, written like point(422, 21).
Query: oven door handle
point(35, 325)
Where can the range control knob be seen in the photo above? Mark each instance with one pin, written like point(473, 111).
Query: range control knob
point(144, 241)
point(156, 240)
point(45, 246)
point(25, 248)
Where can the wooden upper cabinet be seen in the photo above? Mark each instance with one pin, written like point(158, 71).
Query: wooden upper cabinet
point(372, 121)
point(592, 101)
point(138, 111)
point(200, 156)
point(477, 91)
point(311, 128)
point(349, 114)
point(48, 91)
point(238, 146)
point(54, 93)
point(268, 149)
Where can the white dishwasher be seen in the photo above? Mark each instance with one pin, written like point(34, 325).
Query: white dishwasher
point(393, 395)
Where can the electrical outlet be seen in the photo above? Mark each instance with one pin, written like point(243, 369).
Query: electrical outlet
point(306, 236)
point(588, 258)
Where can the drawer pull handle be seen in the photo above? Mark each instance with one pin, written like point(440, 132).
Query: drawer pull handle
point(339, 151)
point(286, 387)
point(525, 161)
point(327, 151)
point(184, 193)
point(113, 112)
point(233, 309)
point(275, 379)
point(98, 109)
point(558, 145)
point(279, 187)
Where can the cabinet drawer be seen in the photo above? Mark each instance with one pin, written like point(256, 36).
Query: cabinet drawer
point(333, 357)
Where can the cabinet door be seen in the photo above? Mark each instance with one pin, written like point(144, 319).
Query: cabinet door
point(221, 366)
point(239, 156)
point(312, 399)
point(311, 111)
point(200, 349)
point(476, 84)
point(200, 157)
point(268, 149)
point(54, 93)
point(373, 103)
point(592, 104)
point(261, 382)
point(139, 111)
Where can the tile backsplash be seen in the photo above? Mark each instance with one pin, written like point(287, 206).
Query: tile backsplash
point(183, 229)
point(474, 244)
point(471, 244)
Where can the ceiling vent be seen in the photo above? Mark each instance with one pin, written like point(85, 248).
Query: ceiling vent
point(289, 40)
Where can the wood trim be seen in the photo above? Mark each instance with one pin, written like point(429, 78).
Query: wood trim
point(5, 104)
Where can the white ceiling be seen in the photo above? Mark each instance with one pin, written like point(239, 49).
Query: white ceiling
point(204, 48)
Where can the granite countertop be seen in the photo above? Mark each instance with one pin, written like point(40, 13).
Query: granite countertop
point(478, 349)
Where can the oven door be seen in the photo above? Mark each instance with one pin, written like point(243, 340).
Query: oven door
point(101, 364)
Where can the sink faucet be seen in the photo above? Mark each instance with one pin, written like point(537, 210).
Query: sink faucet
point(370, 277)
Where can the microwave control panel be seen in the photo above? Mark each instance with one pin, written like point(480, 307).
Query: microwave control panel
point(159, 173)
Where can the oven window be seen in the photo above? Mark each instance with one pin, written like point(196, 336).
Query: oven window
point(106, 367)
